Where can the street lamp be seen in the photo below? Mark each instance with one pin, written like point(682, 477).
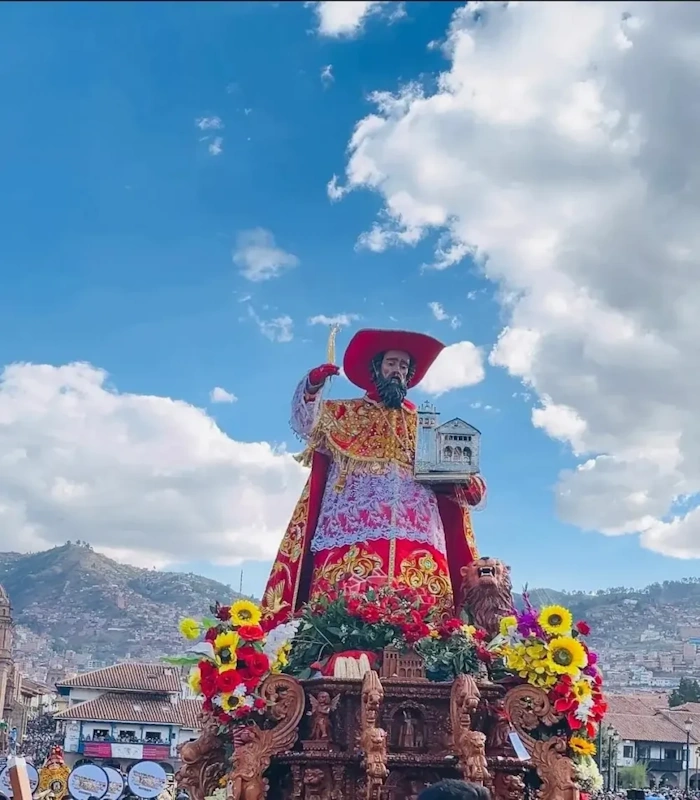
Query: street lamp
point(612, 740)
point(688, 725)
point(615, 740)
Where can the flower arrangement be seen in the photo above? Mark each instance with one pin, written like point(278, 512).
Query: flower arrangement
point(232, 658)
point(547, 649)
point(368, 619)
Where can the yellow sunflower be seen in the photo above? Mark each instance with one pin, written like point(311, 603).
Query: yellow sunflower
point(230, 701)
point(581, 746)
point(506, 623)
point(566, 656)
point(226, 645)
point(556, 620)
point(194, 680)
point(189, 628)
point(582, 690)
point(245, 612)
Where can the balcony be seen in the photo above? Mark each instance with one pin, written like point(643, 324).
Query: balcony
point(136, 749)
point(664, 764)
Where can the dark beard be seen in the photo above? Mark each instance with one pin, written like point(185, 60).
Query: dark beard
point(391, 391)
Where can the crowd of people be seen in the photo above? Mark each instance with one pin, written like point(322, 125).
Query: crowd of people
point(39, 737)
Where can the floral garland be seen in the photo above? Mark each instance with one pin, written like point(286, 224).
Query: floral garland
point(548, 650)
point(233, 658)
point(369, 619)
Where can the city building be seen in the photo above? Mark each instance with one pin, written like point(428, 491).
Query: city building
point(651, 733)
point(125, 713)
point(20, 698)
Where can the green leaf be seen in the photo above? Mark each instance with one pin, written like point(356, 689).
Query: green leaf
point(305, 674)
point(181, 661)
point(208, 622)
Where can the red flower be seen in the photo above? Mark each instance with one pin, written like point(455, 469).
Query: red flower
point(224, 613)
point(566, 705)
point(228, 680)
point(207, 668)
point(211, 634)
point(451, 626)
point(251, 663)
point(480, 636)
point(251, 633)
point(415, 631)
point(207, 706)
point(223, 717)
point(370, 614)
point(353, 605)
point(583, 628)
point(209, 684)
point(260, 703)
point(484, 655)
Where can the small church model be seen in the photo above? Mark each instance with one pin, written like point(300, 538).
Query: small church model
point(447, 452)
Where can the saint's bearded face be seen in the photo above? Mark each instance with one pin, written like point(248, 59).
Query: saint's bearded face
point(391, 371)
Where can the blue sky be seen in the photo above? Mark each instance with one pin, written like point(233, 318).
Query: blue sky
point(120, 225)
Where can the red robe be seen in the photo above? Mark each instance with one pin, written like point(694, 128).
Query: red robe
point(358, 433)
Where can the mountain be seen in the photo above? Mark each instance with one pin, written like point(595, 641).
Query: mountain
point(77, 609)
point(72, 598)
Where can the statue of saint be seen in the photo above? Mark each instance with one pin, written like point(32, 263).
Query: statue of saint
point(362, 516)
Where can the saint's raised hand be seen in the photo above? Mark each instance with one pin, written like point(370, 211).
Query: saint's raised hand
point(319, 375)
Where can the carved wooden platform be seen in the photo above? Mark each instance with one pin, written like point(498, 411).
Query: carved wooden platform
point(384, 739)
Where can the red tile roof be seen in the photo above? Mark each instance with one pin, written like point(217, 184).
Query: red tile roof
point(649, 728)
point(190, 711)
point(641, 704)
point(128, 677)
point(136, 708)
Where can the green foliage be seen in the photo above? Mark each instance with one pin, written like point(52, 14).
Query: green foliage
point(373, 620)
point(327, 628)
point(688, 691)
point(449, 657)
point(634, 777)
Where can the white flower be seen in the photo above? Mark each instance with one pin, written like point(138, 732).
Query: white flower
point(240, 690)
point(588, 774)
point(249, 701)
point(278, 638)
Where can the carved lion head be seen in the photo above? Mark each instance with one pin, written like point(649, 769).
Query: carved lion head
point(485, 572)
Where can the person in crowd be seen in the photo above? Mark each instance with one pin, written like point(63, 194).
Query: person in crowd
point(454, 790)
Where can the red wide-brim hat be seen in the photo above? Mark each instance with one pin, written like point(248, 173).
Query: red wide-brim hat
point(367, 343)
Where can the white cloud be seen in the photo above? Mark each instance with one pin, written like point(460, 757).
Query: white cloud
point(335, 192)
point(558, 149)
point(216, 147)
point(346, 18)
point(339, 319)
point(219, 395)
point(209, 123)
point(150, 479)
point(442, 316)
point(458, 365)
point(259, 257)
point(279, 329)
point(327, 77)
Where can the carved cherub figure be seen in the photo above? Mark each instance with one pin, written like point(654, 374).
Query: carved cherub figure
point(322, 706)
